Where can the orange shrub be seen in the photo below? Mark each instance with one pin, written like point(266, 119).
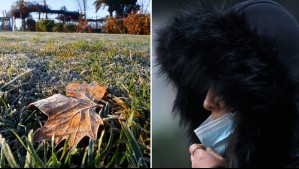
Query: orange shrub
point(83, 26)
point(138, 24)
point(114, 25)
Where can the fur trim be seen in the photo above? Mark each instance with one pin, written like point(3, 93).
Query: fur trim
point(204, 48)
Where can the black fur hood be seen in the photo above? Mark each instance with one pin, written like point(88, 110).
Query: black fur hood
point(249, 55)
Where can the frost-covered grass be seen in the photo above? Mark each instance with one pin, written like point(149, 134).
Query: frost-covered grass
point(37, 65)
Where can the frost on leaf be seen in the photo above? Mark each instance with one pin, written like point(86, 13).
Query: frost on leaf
point(73, 116)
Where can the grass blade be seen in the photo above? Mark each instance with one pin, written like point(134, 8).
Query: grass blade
point(96, 161)
point(68, 156)
point(131, 158)
point(2, 163)
point(38, 162)
point(130, 119)
point(139, 164)
point(133, 145)
point(112, 161)
point(105, 152)
point(123, 159)
point(45, 144)
point(54, 161)
point(106, 110)
point(65, 147)
point(28, 162)
point(100, 142)
point(8, 154)
point(84, 158)
point(90, 153)
point(4, 104)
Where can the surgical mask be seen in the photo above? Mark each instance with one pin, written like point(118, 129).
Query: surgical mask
point(215, 133)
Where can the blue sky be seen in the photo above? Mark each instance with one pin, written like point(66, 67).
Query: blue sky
point(71, 5)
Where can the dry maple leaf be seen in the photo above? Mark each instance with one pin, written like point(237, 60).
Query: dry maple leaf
point(75, 115)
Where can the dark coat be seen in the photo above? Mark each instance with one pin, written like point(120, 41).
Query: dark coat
point(249, 55)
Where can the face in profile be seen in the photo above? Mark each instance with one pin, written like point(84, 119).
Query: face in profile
point(215, 105)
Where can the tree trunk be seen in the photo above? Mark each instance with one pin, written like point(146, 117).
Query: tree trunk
point(23, 24)
point(84, 7)
point(123, 10)
point(45, 4)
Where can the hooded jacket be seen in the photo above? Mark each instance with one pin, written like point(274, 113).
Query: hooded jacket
point(249, 55)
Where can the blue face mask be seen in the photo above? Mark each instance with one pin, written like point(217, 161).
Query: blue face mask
point(215, 133)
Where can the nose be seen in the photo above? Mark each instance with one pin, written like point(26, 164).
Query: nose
point(209, 102)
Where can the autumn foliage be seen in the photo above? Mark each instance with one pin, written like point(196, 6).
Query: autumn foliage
point(73, 115)
point(83, 26)
point(138, 24)
point(114, 25)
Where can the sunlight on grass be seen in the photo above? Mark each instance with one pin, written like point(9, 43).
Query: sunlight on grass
point(120, 62)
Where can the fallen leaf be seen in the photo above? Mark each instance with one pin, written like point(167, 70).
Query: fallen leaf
point(85, 91)
point(75, 115)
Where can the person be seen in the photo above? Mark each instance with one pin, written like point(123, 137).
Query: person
point(236, 74)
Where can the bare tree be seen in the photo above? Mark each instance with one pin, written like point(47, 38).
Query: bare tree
point(45, 4)
point(79, 4)
point(149, 1)
point(82, 6)
point(85, 7)
point(144, 6)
